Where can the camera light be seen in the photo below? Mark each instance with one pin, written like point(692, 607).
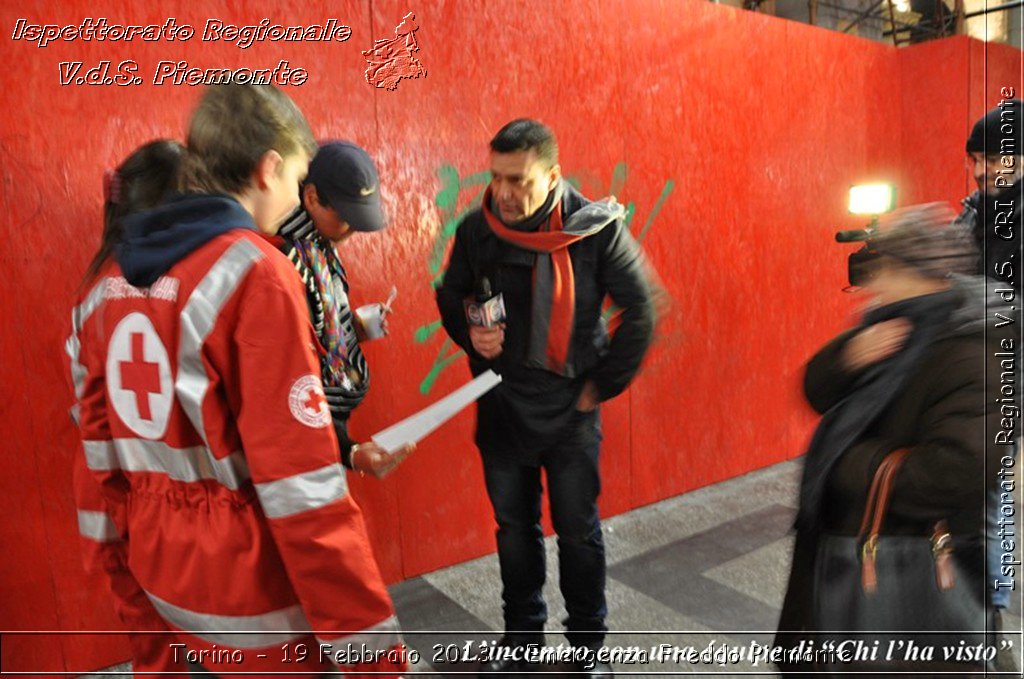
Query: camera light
point(872, 199)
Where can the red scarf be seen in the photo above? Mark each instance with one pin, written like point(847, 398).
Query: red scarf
point(551, 240)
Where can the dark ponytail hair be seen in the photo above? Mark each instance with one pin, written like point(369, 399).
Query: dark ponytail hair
point(146, 179)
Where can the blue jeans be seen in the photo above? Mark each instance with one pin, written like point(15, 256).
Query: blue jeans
point(573, 480)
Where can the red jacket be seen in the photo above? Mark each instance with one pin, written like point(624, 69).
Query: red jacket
point(210, 489)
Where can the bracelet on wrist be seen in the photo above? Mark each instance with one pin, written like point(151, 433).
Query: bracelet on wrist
point(352, 459)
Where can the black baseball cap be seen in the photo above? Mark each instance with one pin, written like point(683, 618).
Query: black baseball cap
point(346, 179)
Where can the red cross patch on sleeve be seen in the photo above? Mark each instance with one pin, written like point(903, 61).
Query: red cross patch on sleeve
point(307, 402)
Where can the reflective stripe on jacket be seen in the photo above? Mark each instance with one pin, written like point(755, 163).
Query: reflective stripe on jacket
point(214, 491)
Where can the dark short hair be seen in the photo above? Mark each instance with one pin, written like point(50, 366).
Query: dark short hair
point(524, 134)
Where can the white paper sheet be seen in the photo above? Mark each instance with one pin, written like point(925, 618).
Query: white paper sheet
point(416, 427)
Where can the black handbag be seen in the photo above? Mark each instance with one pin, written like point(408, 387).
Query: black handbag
point(902, 603)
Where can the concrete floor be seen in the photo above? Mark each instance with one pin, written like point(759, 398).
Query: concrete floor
point(706, 567)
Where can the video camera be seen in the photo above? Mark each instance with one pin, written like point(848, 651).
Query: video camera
point(859, 264)
point(872, 200)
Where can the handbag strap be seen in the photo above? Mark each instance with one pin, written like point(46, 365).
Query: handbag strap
point(885, 490)
point(874, 515)
point(881, 484)
point(942, 552)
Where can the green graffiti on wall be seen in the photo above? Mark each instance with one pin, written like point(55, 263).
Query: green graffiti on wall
point(453, 189)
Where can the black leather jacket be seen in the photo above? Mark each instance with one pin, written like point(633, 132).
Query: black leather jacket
point(996, 227)
point(532, 406)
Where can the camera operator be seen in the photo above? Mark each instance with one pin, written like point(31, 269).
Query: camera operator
point(993, 214)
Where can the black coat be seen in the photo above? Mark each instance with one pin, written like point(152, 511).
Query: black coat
point(996, 225)
point(942, 414)
point(531, 407)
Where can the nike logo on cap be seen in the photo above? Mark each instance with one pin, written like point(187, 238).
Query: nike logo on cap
point(367, 192)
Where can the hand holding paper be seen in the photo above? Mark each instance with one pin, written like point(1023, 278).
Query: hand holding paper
point(370, 458)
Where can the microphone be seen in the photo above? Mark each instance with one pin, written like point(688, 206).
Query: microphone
point(853, 236)
point(487, 309)
point(483, 290)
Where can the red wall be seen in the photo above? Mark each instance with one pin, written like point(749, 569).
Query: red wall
point(733, 135)
point(946, 86)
